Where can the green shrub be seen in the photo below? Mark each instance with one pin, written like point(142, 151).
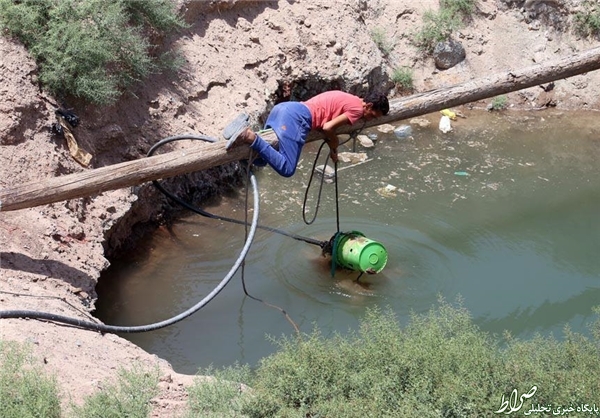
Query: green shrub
point(441, 362)
point(563, 371)
point(381, 40)
point(462, 8)
point(499, 102)
point(437, 27)
point(156, 15)
point(25, 390)
point(90, 49)
point(220, 395)
point(587, 22)
point(128, 397)
point(438, 365)
point(403, 78)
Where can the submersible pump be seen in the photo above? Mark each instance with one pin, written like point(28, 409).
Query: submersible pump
point(354, 251)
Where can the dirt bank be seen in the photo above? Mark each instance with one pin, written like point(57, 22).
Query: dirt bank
point(238, 56)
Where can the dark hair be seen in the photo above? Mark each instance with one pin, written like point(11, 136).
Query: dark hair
point(379, 101)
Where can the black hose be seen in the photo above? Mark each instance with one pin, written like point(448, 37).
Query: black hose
point(353, 135)
point(199, 211)
point(157, 325)
point(213, 216)
point(312, 174)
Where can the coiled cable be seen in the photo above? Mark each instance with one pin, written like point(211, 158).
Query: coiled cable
point(157, 325)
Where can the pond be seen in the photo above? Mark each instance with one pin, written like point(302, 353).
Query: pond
point(501, 213)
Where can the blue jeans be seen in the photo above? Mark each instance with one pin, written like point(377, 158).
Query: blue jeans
point(291, 122)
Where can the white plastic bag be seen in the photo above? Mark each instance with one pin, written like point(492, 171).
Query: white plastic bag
point(445, 125)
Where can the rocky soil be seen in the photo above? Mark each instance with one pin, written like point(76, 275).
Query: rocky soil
point(239, 55)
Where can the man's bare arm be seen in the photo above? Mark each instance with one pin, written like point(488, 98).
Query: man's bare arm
point(329, 131)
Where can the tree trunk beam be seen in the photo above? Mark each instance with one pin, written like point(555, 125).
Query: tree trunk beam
point(208, 155)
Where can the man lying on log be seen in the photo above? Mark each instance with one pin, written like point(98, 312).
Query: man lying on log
point(292, 122)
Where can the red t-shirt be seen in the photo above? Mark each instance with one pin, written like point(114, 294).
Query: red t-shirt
point(329, 105)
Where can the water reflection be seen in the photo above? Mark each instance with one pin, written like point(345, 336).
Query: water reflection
point(549, 317)
point(517, 238)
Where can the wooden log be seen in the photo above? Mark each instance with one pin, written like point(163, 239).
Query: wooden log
point(204, 156)
point(130, 173)
point(494, 85)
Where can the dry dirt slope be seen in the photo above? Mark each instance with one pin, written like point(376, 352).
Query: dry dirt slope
point(238, 56)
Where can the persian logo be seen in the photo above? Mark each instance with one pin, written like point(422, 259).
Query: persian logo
point(515, 402)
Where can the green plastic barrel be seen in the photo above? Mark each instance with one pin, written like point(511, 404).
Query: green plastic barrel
point(356, 252)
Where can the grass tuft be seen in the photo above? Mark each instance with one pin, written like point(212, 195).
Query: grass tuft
point(587, 21)
point(220, 395)
point(499, 102)
point(461, 8)
point(129, 396)
point(439, 26)
point(403, 78)
point(385, 45)
point(25, 390)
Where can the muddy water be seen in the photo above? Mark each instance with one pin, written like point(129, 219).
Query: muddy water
point(502, 212)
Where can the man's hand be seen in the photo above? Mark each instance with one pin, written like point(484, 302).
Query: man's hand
point(332, 139)
point(333, 143)
point(333, 154)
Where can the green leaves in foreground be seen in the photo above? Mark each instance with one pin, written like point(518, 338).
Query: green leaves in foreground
point(128, 397)
point(438, 365)
point(219, 393)
point(91, 49)
point(25, 391)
